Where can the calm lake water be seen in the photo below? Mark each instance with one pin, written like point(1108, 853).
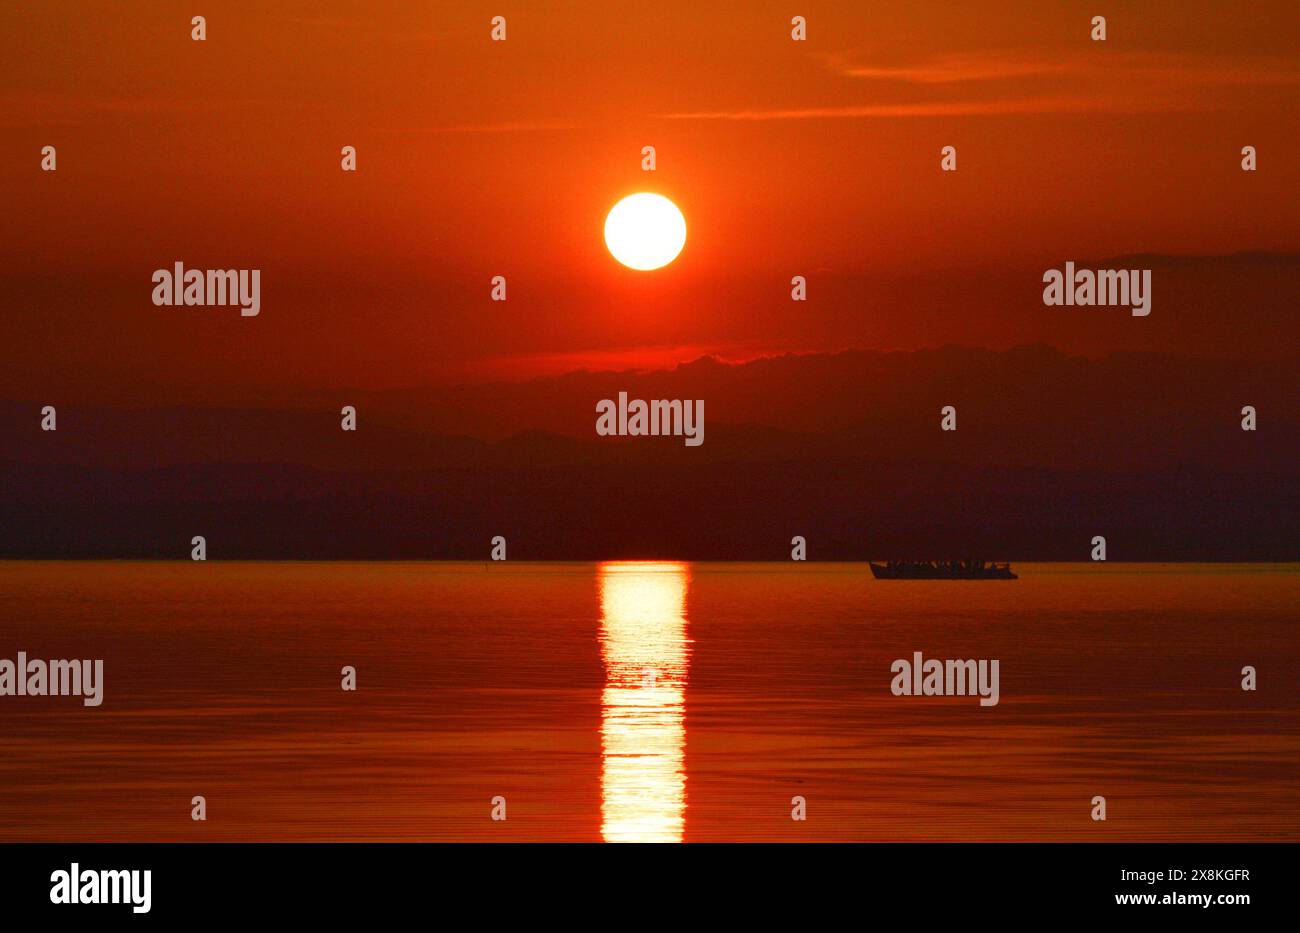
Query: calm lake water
point(650, 701)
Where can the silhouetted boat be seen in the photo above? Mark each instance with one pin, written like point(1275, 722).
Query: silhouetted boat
point(941, 570)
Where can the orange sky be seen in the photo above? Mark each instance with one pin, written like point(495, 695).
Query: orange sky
point(479, 158)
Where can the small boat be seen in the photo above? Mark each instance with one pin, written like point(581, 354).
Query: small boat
point(941, 570)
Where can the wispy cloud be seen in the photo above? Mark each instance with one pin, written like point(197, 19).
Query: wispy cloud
point(508, 126)
point(999, 82)
point(75, 109)
point(948, 69)
point(1014, 64)
point(961, 108)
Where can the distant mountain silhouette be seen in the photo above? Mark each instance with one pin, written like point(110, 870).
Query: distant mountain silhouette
point(843, 448)
point(1029, 406)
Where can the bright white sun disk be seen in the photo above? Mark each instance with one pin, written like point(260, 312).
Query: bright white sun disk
point(645, 231)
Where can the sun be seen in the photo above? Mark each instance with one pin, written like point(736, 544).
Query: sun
point(645, 231)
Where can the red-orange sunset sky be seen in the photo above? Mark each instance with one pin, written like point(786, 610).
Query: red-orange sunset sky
point(478, 158)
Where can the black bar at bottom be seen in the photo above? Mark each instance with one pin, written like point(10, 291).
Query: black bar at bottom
point(383, 881)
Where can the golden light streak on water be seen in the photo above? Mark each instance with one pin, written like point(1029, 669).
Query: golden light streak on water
point(643, 706)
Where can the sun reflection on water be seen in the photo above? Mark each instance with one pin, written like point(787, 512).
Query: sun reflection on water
point(643, 707)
